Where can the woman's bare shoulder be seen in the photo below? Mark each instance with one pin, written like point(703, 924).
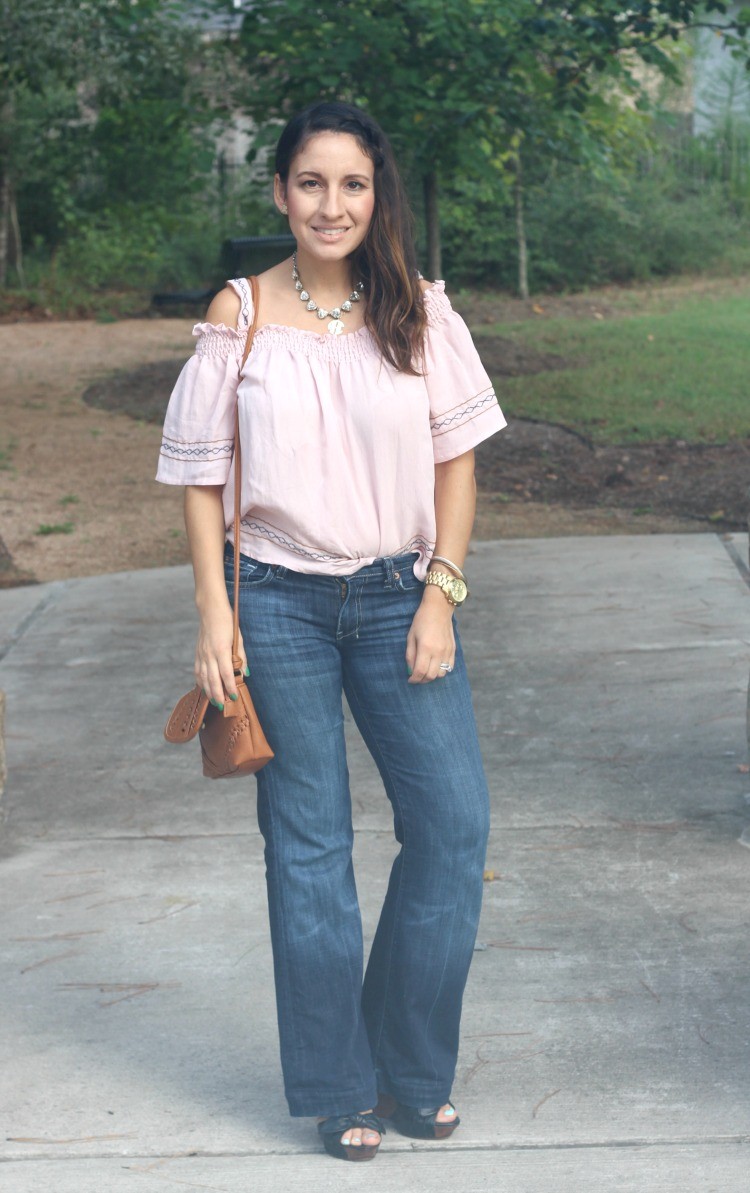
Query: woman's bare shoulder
point(224, 308)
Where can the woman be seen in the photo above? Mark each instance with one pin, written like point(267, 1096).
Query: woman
point(359, 407)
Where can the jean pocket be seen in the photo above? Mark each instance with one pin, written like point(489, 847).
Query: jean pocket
point(252, 571)
point(406, 581)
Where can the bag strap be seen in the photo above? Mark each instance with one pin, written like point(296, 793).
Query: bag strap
point(236, 660)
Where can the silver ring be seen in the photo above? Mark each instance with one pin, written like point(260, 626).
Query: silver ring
point(446, 667)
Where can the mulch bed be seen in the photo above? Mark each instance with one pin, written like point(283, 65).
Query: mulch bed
point(538, 461)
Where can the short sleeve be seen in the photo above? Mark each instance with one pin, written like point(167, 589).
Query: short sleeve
point(198, 435)
point(463, 406)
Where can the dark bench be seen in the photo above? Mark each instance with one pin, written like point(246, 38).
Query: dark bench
point(240, 256)
point(243, 255)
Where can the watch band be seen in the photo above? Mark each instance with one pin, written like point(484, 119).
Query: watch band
point(439, 580)
point(447, 584)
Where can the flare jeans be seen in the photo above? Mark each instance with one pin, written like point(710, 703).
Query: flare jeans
point(309, 638)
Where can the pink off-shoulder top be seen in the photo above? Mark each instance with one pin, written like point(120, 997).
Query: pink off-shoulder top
point(338, 447)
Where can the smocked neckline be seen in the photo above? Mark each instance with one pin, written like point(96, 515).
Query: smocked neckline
point(351, 342)
point(307, 331)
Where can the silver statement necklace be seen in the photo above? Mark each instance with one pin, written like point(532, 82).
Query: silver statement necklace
point(335, 327)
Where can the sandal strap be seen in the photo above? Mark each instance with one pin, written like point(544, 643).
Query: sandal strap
point(337, 1124)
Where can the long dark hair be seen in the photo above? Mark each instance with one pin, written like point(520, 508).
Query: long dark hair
point(386, 260)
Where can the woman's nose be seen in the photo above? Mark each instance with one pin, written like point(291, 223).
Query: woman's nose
point(330, 206)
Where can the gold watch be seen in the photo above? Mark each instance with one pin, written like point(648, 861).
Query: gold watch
point(455, 590)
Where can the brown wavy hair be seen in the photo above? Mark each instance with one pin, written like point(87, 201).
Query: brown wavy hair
point(386, 260)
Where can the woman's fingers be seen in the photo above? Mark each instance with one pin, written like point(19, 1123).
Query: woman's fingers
point(228, 680)
point(426, 666)
point(211, 681)
point(215, 674)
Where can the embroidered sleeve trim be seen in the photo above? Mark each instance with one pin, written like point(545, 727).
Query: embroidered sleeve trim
point(179, 449)
point(462, 413)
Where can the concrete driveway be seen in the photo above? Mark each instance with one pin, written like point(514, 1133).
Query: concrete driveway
point(606, 1033)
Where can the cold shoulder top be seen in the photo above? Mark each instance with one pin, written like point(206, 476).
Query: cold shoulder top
point(338, 447)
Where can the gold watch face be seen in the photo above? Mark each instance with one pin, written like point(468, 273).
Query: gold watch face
point(457, 590)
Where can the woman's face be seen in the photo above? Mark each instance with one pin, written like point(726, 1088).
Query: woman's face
point(330, 195)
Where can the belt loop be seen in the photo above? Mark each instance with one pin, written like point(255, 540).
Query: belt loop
point(389, 580)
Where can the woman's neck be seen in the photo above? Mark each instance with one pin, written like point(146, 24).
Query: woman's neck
point(327, 280)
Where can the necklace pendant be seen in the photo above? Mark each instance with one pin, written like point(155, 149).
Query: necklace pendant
point(335, 327)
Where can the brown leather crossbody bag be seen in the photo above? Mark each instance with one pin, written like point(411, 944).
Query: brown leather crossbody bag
point(232, 740)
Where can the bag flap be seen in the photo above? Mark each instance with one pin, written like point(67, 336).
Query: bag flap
point(187, 717)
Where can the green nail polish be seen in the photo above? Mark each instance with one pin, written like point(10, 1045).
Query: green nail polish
point(246, 670)
point(409, 670)
point(234, 696)
point(219, 706)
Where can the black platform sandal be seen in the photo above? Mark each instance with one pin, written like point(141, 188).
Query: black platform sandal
point(331, 1128)
point(414, 1122)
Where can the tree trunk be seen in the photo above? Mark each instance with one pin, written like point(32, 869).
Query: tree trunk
point(15, 229)
point(4, 222)
point(523, 273)
point(7, 113)
point(432, 220)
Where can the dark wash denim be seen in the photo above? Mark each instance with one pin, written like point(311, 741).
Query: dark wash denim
point(308, 638)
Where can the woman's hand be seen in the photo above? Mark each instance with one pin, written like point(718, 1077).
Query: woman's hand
point(214, 672)
point(430, 640)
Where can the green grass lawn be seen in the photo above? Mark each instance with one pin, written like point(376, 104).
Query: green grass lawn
point(674, 370)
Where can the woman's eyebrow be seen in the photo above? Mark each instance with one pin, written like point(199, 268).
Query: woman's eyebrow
point(317, 174)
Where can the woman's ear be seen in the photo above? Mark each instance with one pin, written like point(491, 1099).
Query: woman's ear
point(279, 195)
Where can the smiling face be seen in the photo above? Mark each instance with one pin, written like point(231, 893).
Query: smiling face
point(330, 195)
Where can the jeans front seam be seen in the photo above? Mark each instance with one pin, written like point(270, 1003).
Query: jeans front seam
point(286, 950)
point(358, 609)
point(397, 908)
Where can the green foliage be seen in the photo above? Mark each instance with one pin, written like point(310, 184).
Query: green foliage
point(470, 87)
point(149, 150)
point(664, 204)
point(96, 100)
point(111, 109)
